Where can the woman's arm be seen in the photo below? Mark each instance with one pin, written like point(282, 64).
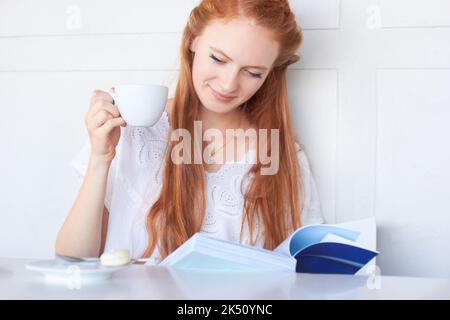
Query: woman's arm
point(83, 233)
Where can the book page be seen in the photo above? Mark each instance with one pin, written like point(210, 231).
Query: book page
point(334, 238)
point(367, 229)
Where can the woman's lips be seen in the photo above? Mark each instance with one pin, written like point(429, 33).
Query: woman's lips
point(220, 97)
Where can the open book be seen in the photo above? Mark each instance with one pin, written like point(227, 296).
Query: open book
point(317, 248)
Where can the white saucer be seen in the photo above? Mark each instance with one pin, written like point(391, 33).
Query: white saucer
point(73, 273)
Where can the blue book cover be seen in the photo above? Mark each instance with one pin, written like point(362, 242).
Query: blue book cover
point(328, 249)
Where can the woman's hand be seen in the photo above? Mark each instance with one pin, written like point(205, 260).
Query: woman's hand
point(103, 122)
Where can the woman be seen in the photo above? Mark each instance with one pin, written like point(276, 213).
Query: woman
point(234, 56)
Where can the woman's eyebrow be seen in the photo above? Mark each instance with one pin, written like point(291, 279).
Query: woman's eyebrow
point(223, 53)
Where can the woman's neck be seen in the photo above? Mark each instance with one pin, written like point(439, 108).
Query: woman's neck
point(233, 119)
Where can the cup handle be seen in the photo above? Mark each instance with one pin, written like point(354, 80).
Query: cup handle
point(113, 95)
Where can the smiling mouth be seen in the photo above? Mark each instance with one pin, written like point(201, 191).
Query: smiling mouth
point(221, 97)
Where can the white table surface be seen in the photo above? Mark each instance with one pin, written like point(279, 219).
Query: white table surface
point(149, 282)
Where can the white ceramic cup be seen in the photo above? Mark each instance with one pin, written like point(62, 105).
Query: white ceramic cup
point(140, 105)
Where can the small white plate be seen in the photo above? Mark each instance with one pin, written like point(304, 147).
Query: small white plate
point(73, 273)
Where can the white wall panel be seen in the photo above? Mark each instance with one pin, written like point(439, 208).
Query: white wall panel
point(415, 13)
point(413, 179)
point(318, 14)
point(313, 99)
point(414, 48)
point(63, 17)
point(106, 52)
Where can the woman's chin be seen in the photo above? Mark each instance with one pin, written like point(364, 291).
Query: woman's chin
point(213, 106)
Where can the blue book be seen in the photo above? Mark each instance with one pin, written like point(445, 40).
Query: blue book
point(336, 249)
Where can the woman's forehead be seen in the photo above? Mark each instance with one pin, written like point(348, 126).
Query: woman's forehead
point(240, 38)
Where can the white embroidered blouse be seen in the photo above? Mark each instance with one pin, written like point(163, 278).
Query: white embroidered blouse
point(135, 180)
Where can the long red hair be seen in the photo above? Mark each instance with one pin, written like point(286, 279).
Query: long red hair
point(275, 200)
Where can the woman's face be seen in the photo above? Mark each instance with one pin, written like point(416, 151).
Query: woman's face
point(231, 59)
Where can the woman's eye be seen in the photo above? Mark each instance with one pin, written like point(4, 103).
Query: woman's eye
point(215, 58)
point(255, 75)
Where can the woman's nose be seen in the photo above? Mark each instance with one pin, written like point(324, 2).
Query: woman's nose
point(229, 80)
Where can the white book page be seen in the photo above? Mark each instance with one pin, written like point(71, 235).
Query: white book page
point(330, 237)
point(367, 229)
point(201, 250)
point(283, 248)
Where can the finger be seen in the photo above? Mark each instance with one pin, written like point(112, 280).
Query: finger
point(99, 119)
point(99, 95)
point(96, 120)
point(109, 107)
point(110, 125)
